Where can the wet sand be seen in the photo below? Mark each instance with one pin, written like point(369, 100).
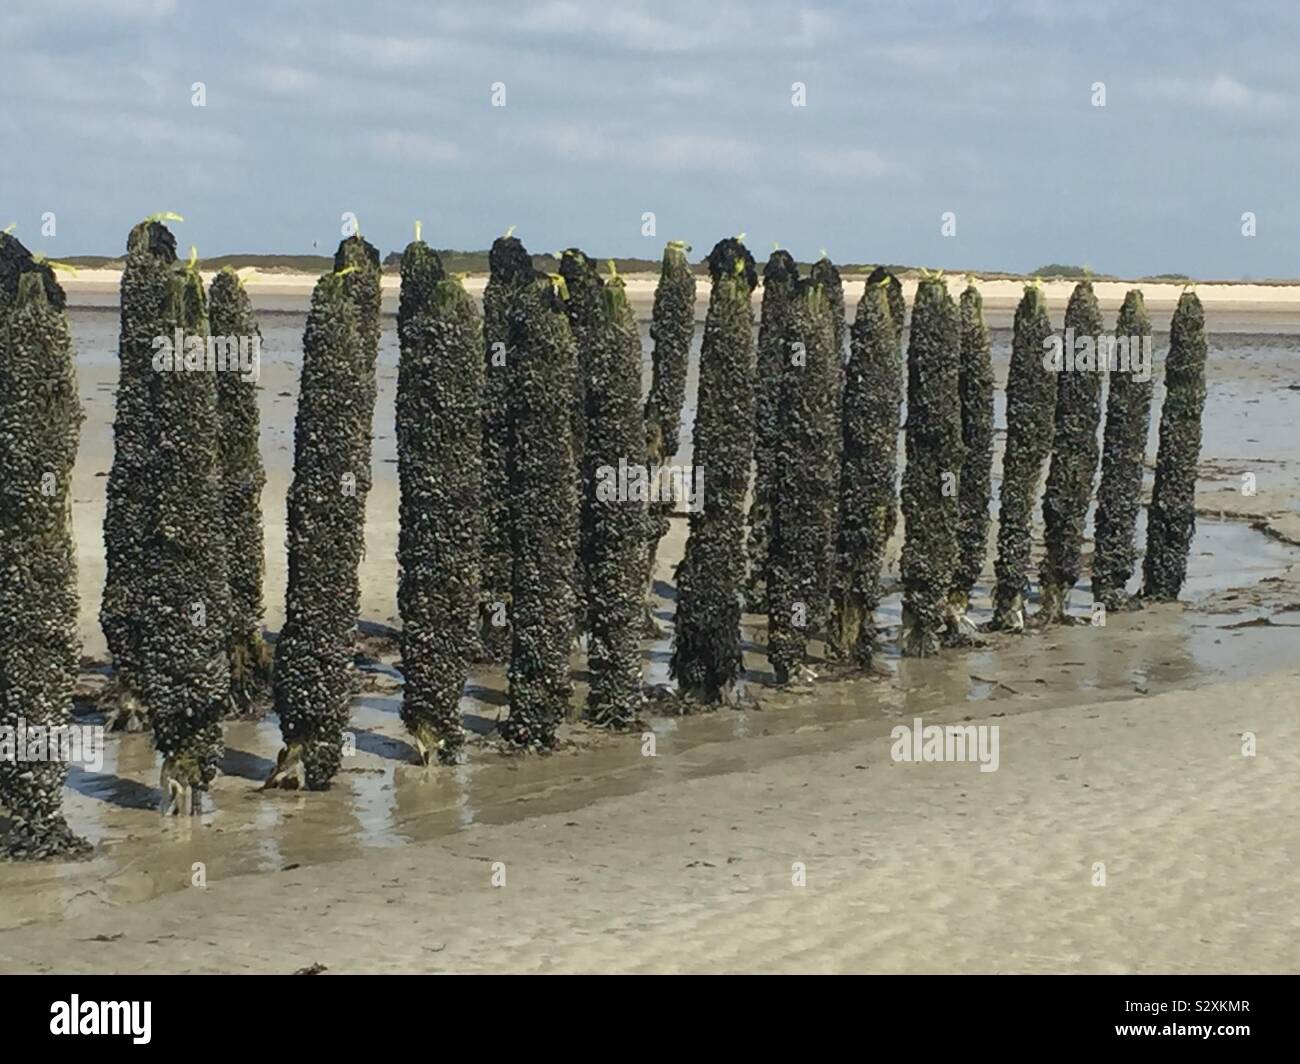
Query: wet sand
point(1118, 746)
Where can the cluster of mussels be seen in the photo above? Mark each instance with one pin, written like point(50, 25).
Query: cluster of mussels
point(230, 314)
point(868, 500)
point(707, 662)
point(1073, 466)
point(511, 269)
point(804, 484)
point(672, 329)
point(440, 469)
point(1119, 496)
point(780, 283)
point(543, 510)
point(933, 470)
point(975, 382)
point(184, 670)
point(40, 423)
point(326, 509)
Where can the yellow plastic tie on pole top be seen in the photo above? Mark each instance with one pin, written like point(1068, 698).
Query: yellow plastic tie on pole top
point(679, 245)
point(419, 225)
point(740, 238)
point(560, 285)
point(509, 233)
point(165, 216)
point(194, 258)
point(10, 227)
point(776, 246)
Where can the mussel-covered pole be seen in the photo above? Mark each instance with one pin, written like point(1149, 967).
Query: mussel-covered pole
point(1128, 416)
point(357, 261)
point(543, 517)
point(780, 284)
point(707, 662)
point(873, 397)
point(976, 387)
point(440, 469)
point(1031, 402)
point(897, 303)
point(186, 674)
point(233, 325)
point(1171, 516)
point(585, 304)
point(932, 476)
point(803, 484)
point(147, 313)
point(511, 269)
point(672, 328)
point(617, 545)
point(326, 514)
point(1075, 452)
point(40, 422)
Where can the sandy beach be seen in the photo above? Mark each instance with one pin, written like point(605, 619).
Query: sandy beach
point(1120, 746)
point(909, 867)
point(1239, 305)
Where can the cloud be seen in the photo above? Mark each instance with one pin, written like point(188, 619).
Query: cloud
point(287, 80)
point(1221, 93)
point(387, 51)
point(587, 143)
point(846, 163)
point(416, 149)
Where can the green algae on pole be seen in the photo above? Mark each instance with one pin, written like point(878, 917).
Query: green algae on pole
point(672, 329)
point(40, 422)
point(230, 314)
point(868, 503)
point(803, 485)
point(933, 471)
point(1171, 515)
point(1031, 403)
point(780, 283)
point(1075, 452)
point(707, 663)
point(185, 671)
point(543, 510)
point(147, 312)
point(511, 268)
point(976, 388)
point(440, 469)
point(1119, 496)
point(312, 679)
point(617, 542)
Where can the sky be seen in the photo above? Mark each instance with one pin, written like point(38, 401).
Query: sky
point(980, 114)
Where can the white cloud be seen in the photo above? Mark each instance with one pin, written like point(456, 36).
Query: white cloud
point(677, 151)
point(846, 162)
point(288, 80)
point(387, 51)
point(1221, 93)
point(414, 148)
